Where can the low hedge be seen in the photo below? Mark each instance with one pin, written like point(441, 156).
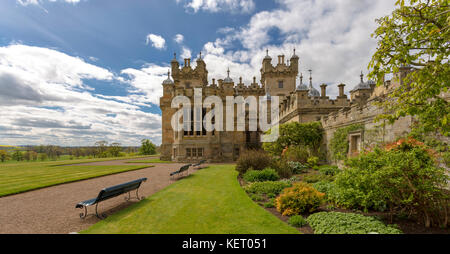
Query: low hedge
point(348, 223)
point(267, 187)
point(267, 174)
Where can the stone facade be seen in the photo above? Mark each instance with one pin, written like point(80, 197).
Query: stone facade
point(299, 103)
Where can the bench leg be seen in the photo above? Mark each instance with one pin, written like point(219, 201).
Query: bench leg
point(83, 215)
point(96, 213)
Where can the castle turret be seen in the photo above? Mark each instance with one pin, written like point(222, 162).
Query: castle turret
point(312, 91)
point(280, 79)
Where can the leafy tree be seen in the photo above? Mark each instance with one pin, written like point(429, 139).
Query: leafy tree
point(147, 148)
point(114, 149)
point(416, 36)
point(297, 134)
point(3, 155)
point(17, 155)
point(101, 148)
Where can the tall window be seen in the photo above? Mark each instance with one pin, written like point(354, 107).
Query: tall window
point(188, 152)
point(280, 84)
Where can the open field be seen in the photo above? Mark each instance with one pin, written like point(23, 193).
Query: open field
point(208, 201)
point(25, 176)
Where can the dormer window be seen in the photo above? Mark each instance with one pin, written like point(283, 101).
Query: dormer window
point(280, 84)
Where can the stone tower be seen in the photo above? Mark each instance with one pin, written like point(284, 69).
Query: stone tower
point(279, 79)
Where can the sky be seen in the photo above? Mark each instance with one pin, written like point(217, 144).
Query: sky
point(73, 72)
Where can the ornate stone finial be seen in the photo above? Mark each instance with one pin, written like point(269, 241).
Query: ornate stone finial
point(168, 74)
point(294, 51)
point(254, 79)
point(301, 78)
point(267, 52)
point(240, 80)
point(200, 55)
point(228, 72)
point(362, 76)
point(175, 55)
point(310, 77)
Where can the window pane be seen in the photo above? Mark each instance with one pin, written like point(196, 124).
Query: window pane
point(194, 152)
point(188, 152)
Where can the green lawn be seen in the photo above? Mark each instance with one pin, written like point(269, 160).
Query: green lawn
point(21, 177)
point(210, 201)
point(156, 160)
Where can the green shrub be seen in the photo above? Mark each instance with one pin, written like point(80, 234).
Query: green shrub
point(403, 178)
point(313, 161)
point(299, 198)
point(297, 167)
point(347, 223)
point(282, 167)
point(270, 203)
point(446, 158)
point(269, 188)
point(329, 170)
point(267, 174)
point(295, 134)
point(316, 178)
point(256, 159)
point(339, 142)
point(256, 197)
point(297, 221)
point(323, 186)
point(297, 154)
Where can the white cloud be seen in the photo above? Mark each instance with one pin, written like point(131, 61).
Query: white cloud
point(179, 38)
point(234, 6)
point(331, 37)
point(186, 52)
point(37, 2)
point(156, 40)
point(45, 100)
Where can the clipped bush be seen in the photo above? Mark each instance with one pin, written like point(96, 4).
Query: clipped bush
point(297, 221)
point(297, 167)
point(348, 223)
point(268, 187)
point(256, 159)
point(299, 198)
point(267, 174)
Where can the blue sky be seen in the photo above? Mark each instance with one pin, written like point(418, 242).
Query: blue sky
point(76, 71)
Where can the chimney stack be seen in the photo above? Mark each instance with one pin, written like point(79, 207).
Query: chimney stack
point(341, 90)
point(324, 90)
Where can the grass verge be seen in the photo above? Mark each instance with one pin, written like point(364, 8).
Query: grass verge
point(21, 177)
point(210, 201)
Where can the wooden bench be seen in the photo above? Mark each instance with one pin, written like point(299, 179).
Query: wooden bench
point(183, 170)
point(198, 164)
point(111, 192)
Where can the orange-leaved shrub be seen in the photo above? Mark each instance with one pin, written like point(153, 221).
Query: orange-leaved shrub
point(299, 198)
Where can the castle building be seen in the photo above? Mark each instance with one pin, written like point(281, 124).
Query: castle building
point(298, 102)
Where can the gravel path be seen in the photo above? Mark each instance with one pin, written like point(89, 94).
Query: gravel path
point(52, 210)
